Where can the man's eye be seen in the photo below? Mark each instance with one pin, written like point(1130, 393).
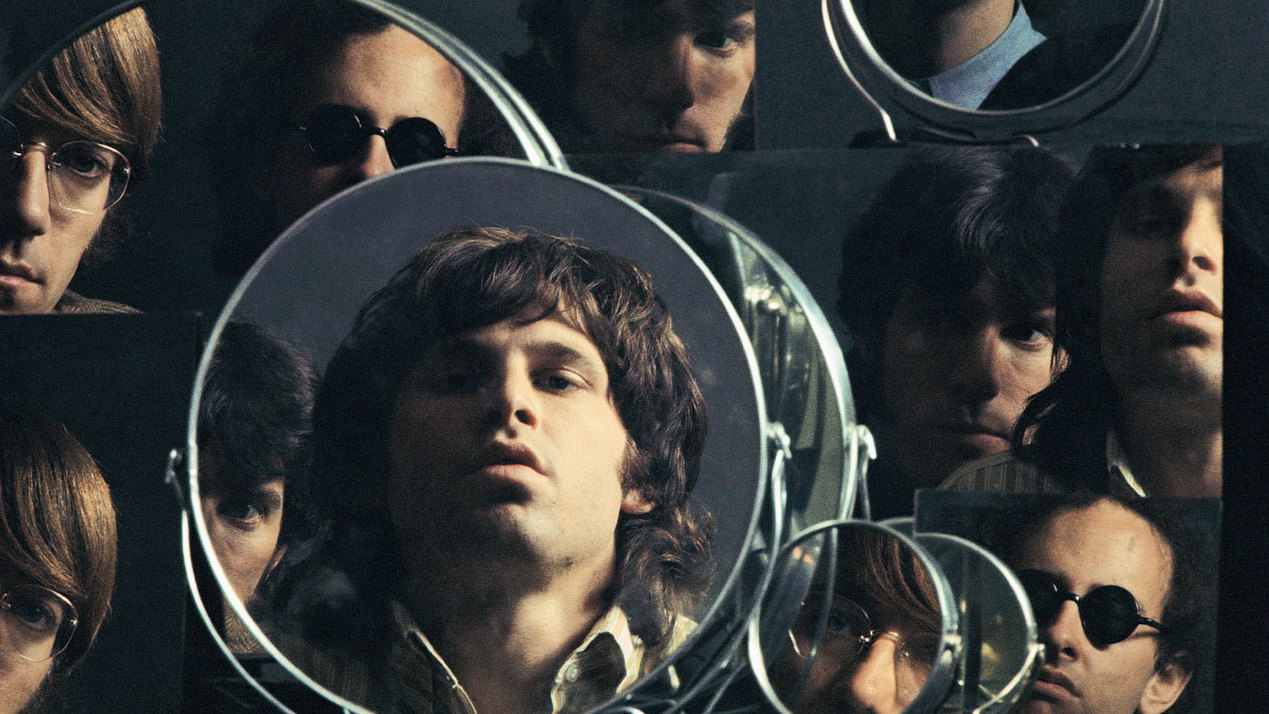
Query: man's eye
point(241, 510)
point(83, 162)
point(559, 382)
point(1027, 334)
point(717, 40)
point(32, 612)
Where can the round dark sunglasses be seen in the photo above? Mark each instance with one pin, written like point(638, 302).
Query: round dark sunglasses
point(336, 134)
point(1108, 613)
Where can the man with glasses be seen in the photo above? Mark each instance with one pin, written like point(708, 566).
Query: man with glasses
point(326, 94)
point(1123, 594)
point(57, 555)
point(75, 137)
point(869, 644)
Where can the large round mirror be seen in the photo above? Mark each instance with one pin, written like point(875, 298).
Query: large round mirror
point(862, 619)
point(366, 557)
point(992, 68)
point(803, 371)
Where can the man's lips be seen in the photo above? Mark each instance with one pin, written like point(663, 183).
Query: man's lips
point(1052, 684)
point(498, 454)
point(1179, 302)
point(17, 270)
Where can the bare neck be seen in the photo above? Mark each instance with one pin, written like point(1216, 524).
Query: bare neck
point(1173, 449)
point(505, 637)
point(920, 38)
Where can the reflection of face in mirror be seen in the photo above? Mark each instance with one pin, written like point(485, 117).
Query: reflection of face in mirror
point(57, 555)
point(994, 54)
point(76, 135)
point(254, 420)
point(622, 76)
point(505, 444)
point(324, 95)
point(881, 636)
point(1095, 573)
point(951, 309)
point(1139, 313)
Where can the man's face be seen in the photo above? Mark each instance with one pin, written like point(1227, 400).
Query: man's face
point(243, 526)
point(40, 242)
point(1104, 544)
point(19, 680)
point(660, 77)
point(1162, 288)
point(956, 376)
point(385, 77)
point(506, 447)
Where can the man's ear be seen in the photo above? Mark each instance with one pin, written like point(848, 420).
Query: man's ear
point(1166, 685)
point(633, 503)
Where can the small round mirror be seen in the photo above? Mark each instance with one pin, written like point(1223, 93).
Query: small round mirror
point(862, 620)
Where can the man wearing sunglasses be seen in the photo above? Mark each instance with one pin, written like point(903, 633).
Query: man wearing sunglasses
point(1123, 602)
point(325, 95)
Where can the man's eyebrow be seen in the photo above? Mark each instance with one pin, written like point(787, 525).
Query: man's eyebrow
point(565, 354)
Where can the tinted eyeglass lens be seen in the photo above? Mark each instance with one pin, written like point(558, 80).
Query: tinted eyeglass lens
point(415, 140)
point(334, 134)
point(1108, 613)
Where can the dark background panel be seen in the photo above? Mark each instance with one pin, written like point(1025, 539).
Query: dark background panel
point(1206, 82)
point(121, 384)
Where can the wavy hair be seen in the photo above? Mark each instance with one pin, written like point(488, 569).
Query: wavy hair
point(469, 278)
point(1072, 416)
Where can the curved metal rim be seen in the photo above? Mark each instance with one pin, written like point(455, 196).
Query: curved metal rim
point(298, 228)
point(830, 349)
point(873, 75)
point(943, 674)
point(539, 145)
point(1021, 681)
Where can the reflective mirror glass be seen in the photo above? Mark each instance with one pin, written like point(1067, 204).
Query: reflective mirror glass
point(803, 371)
point(874, 629)
point(999, 650)
point(353, 594)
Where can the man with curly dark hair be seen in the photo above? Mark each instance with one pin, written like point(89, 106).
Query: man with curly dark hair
point(514, 428)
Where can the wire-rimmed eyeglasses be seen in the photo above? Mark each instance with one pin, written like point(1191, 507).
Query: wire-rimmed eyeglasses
point(36, 623)
point(83, 176)
point(848, 633)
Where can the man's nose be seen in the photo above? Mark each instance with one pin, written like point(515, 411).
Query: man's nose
point(1064, 637)
point(1200, 247)
point(674, 81)
point(874, 687)
point(375, 161)
point(28, 206)
point(515, 401)
point(975, 374)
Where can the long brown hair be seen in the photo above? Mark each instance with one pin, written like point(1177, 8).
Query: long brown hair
point(57, 521)
point(103, 87)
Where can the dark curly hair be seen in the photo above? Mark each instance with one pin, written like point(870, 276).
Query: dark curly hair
point(1072, 416)
point(469, 278)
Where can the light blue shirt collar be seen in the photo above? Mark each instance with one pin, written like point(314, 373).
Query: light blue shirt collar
point(968, 83)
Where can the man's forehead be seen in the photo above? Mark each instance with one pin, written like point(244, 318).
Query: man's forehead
point(694, 10)
point(555, 331)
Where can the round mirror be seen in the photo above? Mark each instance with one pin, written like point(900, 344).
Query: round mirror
point(803, 371)
point(306, 292)
point(861, 619)
point(1000, 652)
point(965, 66)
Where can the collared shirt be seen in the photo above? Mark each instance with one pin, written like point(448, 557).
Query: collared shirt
point(72, 303)
point(414, 678)
point(1005, 472)
point(968, 83)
